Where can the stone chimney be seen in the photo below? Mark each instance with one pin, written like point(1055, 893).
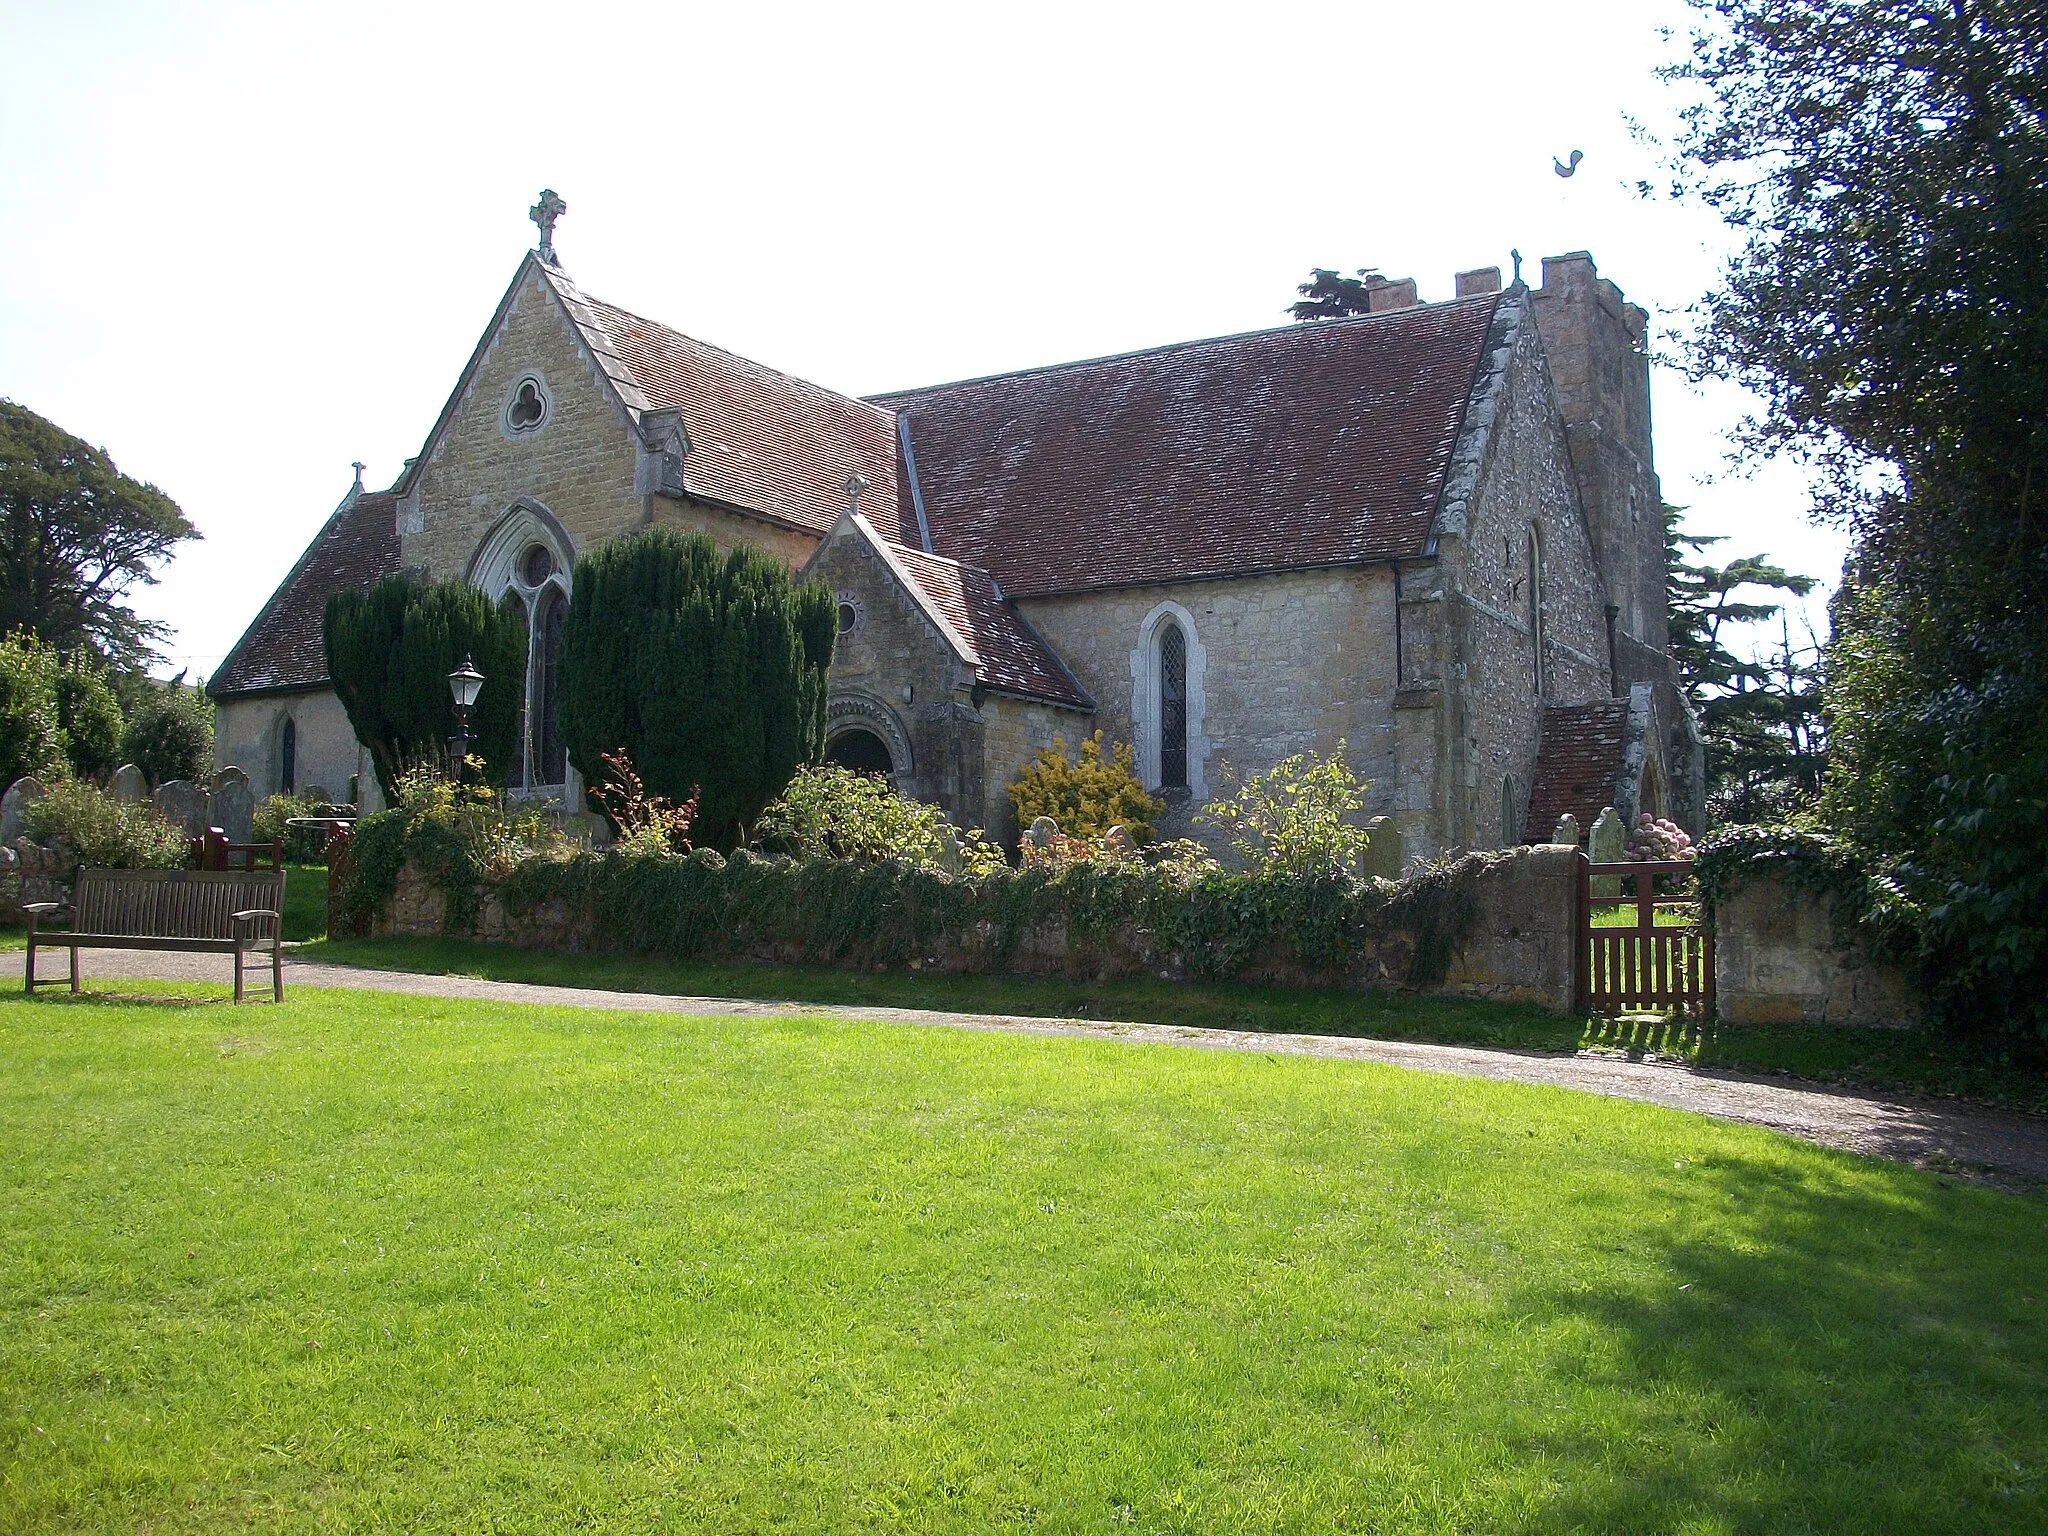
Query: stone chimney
point(1396, 293)
point(1598, 346)
point(1478, 280)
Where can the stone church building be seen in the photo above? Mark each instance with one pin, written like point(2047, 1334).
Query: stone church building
point(1431, 534)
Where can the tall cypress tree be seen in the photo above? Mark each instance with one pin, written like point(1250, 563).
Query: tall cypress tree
point(708, 670)
point(390, 650)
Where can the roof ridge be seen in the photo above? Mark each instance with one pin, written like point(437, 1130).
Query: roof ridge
point(1295, 328)
point(739, 357)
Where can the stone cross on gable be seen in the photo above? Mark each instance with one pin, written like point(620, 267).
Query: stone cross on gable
point(854, 486)
point(544, 213)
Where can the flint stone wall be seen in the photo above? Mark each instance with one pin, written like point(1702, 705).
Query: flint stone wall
point(1777, 961)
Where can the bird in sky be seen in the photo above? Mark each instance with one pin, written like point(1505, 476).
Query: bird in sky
point(1562, 168)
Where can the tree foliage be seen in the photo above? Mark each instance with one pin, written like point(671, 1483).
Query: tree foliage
point(170, 733)
point(1330, 295)
point(1086, 794)
point(76, 538)
point(707, 670)
point(1765, 737)
point(31, 740)
point(89, 716)
point(1886, 162)
point(390, 650)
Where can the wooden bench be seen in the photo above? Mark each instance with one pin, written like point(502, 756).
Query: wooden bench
point(202, 911)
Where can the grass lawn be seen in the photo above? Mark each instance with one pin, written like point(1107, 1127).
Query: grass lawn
point(368, 1261)
point(1901, 1060)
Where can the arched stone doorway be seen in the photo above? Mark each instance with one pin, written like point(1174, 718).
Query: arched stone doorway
point(860, 750)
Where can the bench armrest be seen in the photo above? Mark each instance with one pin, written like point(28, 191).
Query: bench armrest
point(237, 917)
point(45, 908)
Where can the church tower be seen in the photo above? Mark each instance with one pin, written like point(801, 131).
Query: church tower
point(1598, 346)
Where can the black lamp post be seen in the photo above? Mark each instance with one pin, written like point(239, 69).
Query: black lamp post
point(463, 683)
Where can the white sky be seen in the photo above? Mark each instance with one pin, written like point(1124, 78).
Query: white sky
point(243, 246)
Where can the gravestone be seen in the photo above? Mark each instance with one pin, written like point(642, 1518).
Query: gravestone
point(21, 794)
point(229, 775)
point(1041, 832)
point(1567, 830)
point(128, 784)
point(1119, 842)
point(232, 807)
point(949, 849)
point(183, 804)
point(1384, 851)
point(1607, 845)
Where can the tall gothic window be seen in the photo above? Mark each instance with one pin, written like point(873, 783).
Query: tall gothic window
point(522, 565)
point(549, 754)
point(1536, 611)
point(288, 775)
point(1173, 707)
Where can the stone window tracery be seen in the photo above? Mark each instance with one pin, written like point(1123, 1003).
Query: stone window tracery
point(527, 406)
point(523, 564)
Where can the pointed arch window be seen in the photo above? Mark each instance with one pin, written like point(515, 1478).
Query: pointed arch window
point(288, 769)
point(1173, 707)
point(1536, 665)
point(524, 564)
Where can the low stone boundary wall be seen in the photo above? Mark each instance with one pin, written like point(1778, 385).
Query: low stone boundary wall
point(1513, 942)
point(1779, 960)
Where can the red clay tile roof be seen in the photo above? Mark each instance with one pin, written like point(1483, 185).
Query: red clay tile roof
point(1578, 764)
point(282, 649)
point(1007, 653)
point(1316, 444)
point(759, 439)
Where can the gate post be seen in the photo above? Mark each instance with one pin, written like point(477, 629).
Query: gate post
point(1582, 931)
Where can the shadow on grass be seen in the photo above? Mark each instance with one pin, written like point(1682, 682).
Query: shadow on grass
point(1262, 1010)
point(1847, 1355)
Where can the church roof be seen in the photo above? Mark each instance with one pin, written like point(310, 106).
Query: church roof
point(1578, 766)
point(1317, 444)
point(282, 651)
point(1007, 654)
point(759, 439)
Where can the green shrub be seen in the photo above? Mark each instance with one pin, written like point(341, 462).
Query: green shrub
point(1086, 794)
point(104, 832)
point(170, 734)
point(707, 670)
point(31, 738)
point(830, 812)
point(89, 716)
point(462, 836)
point(1297, 818)
point(390, 650)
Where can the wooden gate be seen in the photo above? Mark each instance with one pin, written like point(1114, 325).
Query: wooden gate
point(1643, 964)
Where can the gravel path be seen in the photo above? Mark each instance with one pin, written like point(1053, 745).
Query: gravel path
point(1983, 1143)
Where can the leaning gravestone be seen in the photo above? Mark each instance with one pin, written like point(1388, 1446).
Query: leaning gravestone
point(1567, 830)
point(21, 794)
point(1383, 850)
point(128, 784)
point(183, 804)
point(1607, 845)
point(232, 807)
point(1118, 842)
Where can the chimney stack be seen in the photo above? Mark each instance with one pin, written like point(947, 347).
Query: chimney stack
point(1391, 293)
point(1478, 280)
